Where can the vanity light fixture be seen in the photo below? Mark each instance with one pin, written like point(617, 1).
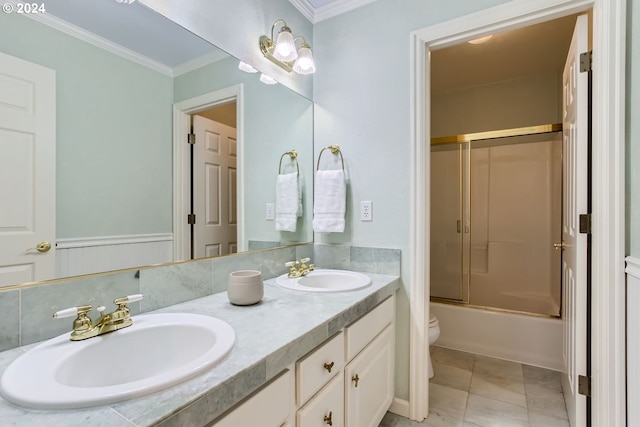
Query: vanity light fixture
point(267, 79)
point(284, 52)
point(125, 1)
point(246, 67)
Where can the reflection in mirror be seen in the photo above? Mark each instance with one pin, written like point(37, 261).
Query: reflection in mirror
point(120, 72)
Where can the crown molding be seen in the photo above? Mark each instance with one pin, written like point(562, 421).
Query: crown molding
point(100, 42)
point(335, 8)
point(198, 62)
point(305, 8)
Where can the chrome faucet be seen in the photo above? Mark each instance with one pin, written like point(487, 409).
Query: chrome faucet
point(299, 268)
point(83, 326)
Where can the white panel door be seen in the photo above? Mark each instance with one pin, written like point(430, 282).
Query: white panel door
point(214, 188)
point(574, 258)
point(27, 171)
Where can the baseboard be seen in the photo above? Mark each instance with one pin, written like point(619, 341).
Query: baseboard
point(400, 407)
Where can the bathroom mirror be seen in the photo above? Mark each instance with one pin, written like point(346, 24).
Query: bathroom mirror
point(115, 124)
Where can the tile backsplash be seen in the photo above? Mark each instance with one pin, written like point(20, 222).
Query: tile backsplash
point(27, 311)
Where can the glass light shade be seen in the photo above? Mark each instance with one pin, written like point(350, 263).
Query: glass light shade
point(246, 67)
point(304, 64)
point(285, 49)
point(267, 80)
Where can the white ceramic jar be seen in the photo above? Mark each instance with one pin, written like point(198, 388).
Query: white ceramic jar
point(245, 287)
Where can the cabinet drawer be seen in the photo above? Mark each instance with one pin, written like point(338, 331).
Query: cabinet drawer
point(318, 367)
point(360, 333)
point(326, 408)
point(270, 406)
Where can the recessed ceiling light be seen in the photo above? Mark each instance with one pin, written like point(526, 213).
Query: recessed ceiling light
point(481, 40)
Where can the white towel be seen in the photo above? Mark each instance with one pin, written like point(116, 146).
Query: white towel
point(329, 201)
point(288, 202)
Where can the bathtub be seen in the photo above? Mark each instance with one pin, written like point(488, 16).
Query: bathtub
point(532, 340)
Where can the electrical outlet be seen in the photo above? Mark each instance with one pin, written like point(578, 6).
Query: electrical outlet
point(270, 212)
point(366, 214)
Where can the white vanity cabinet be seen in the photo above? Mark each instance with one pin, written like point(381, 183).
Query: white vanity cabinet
point(346, 381)
point(366, 382)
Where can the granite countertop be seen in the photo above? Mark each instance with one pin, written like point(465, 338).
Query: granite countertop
point(270, 336)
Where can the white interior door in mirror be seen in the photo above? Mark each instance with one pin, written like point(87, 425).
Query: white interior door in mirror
point(215, 201)
point(27, 171)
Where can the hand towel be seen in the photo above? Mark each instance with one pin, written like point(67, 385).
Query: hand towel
point(329, 201)
point(287, 201)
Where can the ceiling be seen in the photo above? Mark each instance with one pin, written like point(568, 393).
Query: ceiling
point(135, 27)
point(534, 50)
point(531, 50)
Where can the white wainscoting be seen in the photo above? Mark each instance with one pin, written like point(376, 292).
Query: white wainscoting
point(633, 341)
point(80, 256)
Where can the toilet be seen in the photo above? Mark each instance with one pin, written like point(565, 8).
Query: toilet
point(434, 333)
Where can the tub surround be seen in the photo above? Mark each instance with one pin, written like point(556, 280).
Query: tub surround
point(270, 336)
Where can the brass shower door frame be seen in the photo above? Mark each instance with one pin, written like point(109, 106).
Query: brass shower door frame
point(471, 138)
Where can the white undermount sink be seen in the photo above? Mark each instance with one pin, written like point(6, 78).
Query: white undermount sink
point(325, 280)
point(156, 352)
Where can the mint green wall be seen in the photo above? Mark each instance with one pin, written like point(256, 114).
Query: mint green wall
point(362, 96)
point(113, 129)
point(276, 120)
point(633, 128)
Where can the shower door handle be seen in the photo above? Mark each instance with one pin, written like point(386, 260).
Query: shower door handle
point(560, 246)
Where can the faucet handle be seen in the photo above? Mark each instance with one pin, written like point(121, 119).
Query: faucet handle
point(305, 260)
point(291, 264)
point(128, 299)
point(72, 311)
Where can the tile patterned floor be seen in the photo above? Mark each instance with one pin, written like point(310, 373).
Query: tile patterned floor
point(469, 390)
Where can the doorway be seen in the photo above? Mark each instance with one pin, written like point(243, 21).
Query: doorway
point(182, 167)
point(608, 177)
point(214, 155)
point(496, 174)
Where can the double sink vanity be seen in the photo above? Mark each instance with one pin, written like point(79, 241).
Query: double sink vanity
point(317, 350)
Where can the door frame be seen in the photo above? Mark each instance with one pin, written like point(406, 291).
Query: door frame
point(182, 167)
point(608, 172)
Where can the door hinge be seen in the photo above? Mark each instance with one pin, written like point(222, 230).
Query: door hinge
point(584, 385)
point(191, 138)
point(585, 61)
point(585, 223)
point(191, 219)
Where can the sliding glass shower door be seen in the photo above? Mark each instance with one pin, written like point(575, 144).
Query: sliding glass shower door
point(495, 216)
point(449, 222)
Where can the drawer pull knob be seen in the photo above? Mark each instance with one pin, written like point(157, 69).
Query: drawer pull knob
point(327, 419)
point(329, 366)
point(355, 378)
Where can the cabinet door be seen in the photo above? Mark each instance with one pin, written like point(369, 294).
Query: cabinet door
point(369, 382)
point(269, 407)
point(325, 408)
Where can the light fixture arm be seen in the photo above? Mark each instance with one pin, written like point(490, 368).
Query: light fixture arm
point(273, 27)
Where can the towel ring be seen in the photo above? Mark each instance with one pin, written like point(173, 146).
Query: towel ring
point(335, 149)
point(293, 154)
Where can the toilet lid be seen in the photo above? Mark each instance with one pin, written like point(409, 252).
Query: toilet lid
point(433, 321)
